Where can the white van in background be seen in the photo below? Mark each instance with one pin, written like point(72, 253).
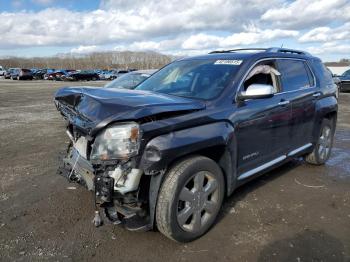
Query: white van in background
point(2, 71)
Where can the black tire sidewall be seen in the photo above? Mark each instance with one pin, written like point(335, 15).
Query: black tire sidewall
point(202, 164)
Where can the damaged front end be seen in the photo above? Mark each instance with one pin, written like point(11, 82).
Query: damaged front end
point(110, 173)
point(103, 126)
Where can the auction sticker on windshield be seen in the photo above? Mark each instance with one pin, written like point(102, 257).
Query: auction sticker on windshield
point(228, 62)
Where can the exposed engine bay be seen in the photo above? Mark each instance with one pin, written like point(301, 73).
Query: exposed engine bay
point(114, 183)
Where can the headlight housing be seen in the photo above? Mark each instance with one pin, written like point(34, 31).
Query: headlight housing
point(120, 141)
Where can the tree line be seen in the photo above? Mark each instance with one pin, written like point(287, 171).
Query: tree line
point(97, 60)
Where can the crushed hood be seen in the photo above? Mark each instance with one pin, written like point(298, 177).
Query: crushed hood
point(92, 108)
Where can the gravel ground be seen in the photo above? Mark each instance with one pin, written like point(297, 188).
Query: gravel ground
point(295, 213)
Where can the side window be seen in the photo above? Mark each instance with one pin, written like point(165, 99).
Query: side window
point(294, 74)
point(264, 73)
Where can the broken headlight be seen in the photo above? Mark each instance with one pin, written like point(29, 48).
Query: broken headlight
point(120, 141)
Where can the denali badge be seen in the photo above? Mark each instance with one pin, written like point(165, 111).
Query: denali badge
point(250, 155)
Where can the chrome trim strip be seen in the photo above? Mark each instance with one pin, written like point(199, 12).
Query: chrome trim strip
point(299, 149)
point(262, 167)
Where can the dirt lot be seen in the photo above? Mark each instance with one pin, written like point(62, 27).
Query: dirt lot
point(296, 213)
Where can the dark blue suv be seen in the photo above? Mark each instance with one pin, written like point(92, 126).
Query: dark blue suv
point(166, 154)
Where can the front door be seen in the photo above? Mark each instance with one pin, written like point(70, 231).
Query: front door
point(262, 132)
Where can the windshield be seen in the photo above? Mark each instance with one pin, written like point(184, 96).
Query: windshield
point(201, 79)
point(128, 81)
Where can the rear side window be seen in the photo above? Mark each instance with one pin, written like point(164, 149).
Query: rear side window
point(324, 75)
point(295, 75)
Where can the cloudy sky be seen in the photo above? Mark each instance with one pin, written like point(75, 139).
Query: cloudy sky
point(47, 27)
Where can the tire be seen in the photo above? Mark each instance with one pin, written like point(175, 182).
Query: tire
point(184, 213)
point(323, 147)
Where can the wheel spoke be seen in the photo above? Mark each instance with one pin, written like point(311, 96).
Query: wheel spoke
point(210, 206)
point(320, 148)
point(322, 153)
point(197, 221)
point(321, 140)
point(326, 132)
point(210, 187)
point(184, 214)
point(186, 195)
point(199, 181)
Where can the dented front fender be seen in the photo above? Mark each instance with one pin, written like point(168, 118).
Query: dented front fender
point(161, 151)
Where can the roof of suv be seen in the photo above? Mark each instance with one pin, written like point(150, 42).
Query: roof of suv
point(256, 52)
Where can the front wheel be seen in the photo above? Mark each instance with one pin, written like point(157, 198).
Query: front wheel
point(323, 147)
point(190, 199)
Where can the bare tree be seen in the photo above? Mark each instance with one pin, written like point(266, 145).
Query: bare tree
point(97, 60)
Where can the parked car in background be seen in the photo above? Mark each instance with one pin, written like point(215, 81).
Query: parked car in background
point(39, 74)
point(344, 81)
point(21, 74)
point(130, 80)
point(58, 74)
point(122, 72)
point(2, 71)
point(111, 74)
point(103, 74)
point(8, 72)
point(81, 75)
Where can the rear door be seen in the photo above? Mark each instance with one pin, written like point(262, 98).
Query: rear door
point(299, 86)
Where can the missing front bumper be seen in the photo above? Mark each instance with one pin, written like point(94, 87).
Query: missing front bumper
point(77, 169)
point(119, 200)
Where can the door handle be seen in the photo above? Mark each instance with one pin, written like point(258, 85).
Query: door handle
point(282, 103)
point(316, 94)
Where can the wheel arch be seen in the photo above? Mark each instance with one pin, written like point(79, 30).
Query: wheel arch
point(325, 108)
point(215, 141)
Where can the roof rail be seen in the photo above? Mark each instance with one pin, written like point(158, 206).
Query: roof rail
point(286, 50)
point(238, 49)
point(271, 49)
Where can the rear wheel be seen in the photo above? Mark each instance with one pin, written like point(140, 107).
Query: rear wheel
point(190, 199)
point(323, 147)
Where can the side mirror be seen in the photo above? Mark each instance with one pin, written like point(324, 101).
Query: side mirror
point(257, 91)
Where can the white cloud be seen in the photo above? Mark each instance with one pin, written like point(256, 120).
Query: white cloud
point(301, 14)
point(252, 36)
point(122, 20)
point(330, 48)
point(82, 49)
point(169, 26)
point(326, 34)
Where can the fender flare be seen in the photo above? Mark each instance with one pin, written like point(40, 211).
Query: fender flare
point(325, 106)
